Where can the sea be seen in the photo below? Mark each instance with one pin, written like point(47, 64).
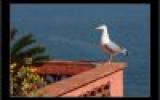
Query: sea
point(67, 31)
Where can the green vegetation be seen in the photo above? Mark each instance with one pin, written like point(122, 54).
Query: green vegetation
point(25, 47)
point(28, 82)
point(23, 57)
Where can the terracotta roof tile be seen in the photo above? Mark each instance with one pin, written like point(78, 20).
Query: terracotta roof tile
point(65, 67)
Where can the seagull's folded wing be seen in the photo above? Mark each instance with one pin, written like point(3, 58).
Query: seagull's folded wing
point(114, 46)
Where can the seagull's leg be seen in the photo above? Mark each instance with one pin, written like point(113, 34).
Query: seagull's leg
point(110, 58)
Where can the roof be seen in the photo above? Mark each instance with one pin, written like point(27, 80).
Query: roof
point(72, 83)
point(65, 67)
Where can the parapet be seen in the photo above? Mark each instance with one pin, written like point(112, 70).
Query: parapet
point(83, 84)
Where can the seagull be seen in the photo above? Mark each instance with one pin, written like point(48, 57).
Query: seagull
point(108, 46)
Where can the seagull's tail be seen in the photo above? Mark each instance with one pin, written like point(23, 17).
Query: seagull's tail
point(125, 52)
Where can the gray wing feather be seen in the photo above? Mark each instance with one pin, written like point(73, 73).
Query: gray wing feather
point(114, 46)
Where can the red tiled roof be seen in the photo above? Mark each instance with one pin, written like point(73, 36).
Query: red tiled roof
point(65, 67)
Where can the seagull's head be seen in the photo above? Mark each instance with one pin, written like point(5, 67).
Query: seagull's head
point(101, 27)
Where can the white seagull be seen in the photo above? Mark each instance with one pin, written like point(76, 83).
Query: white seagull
point(109, 46)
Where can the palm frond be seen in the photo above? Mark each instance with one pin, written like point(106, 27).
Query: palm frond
point(30, 52)
point(13, 33)
point(22, 48)
point(22, 43)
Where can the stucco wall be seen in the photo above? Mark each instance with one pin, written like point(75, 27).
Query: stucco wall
point(116, 85)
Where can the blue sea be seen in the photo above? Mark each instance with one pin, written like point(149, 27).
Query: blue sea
point(68, 32)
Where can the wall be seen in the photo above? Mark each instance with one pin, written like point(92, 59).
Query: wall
point(115, 81)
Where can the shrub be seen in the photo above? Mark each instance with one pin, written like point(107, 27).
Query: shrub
point(25, 81)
